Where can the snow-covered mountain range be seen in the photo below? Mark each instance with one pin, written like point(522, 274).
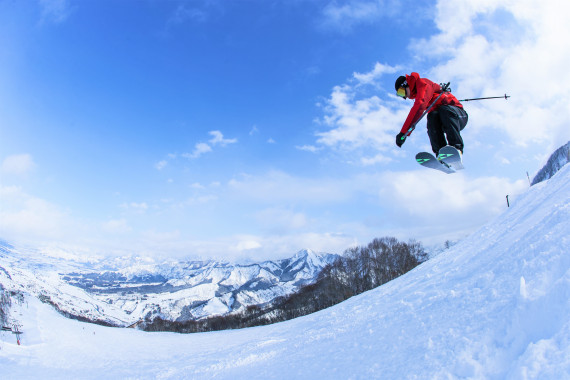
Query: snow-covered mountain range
point(140, 288)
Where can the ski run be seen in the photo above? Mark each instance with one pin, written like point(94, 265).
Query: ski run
point(494, 306)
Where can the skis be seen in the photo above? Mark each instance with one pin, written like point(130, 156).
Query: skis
point(429, 161)
point(450, 156)
point(448, 160)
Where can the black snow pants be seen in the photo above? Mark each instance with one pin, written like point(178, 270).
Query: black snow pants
point(448, 120)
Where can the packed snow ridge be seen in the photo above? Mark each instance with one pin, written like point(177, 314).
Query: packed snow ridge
point(494, 306)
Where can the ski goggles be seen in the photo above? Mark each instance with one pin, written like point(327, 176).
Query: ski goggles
point(401, 92)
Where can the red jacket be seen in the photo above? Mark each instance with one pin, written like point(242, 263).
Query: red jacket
point(424, 91)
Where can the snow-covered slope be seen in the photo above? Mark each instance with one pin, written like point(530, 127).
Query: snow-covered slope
point(494, 306)
point(140, 288)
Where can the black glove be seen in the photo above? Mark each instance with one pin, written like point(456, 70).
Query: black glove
point(400, 139)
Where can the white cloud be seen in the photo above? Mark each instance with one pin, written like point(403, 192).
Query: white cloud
point(308, 148)
point(160, 237)
point(376, 73)
point(356, 123)
point(488, 48)
point(54, 11)
point(18, 164)
point(281, 220)
point(247, 245)
point(199, 149)
point(218, 139)
point(343, 17)
point(362, 118)
point(139, 208)
point(197, 200)
point(277, 186)
point(161, 164)
point(204, 199)
point(116, 226)
point(202, 147)
point(437, 202)
point(23, 216)
point(185, 13)
point(379, 158)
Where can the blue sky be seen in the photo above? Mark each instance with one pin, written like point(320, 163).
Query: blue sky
point(253, 129)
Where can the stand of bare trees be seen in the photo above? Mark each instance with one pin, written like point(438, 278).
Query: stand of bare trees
point(5, 304)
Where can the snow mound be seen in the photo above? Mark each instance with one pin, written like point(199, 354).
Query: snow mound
point(494, 306)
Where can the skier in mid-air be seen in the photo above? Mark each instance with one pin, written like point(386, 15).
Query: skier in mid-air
point(446, 117)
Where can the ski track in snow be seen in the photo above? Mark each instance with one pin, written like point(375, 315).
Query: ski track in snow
point(494, 306)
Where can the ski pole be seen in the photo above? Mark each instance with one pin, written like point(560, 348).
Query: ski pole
point(444, 89)
point(491, 97)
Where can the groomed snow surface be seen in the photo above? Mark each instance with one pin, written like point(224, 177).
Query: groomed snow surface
point(494, 306)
